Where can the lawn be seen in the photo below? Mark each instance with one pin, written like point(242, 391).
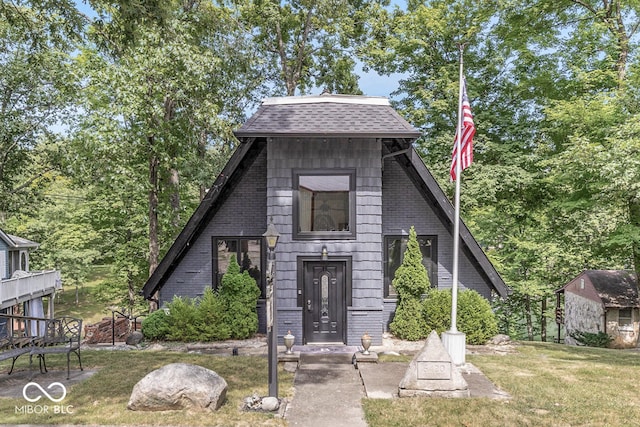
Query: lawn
point(550, 385)
point(103, 398)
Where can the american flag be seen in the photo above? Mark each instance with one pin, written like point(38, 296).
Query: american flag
point(466, 142)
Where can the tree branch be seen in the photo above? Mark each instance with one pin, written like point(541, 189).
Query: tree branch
point(30, 181)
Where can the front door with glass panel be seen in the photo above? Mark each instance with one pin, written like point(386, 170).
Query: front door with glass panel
point(324, 302)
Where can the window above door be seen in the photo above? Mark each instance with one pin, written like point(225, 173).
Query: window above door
point(324, 204)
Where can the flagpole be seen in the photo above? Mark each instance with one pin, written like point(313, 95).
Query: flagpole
point(453, 340)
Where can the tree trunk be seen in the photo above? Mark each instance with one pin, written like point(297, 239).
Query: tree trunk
point(634, 219)
point(174, 176)
point(174, 200)
point(611, 16)
point(292, 73)
point(153, 207)
point(543, 320)
point(130, 281)
point(154, 246)
point(202, 153)
point(528, 317)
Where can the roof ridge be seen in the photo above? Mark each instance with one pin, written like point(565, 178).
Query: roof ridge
point(327, 98)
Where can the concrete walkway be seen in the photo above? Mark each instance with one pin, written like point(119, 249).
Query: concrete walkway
point(329, 388)
point(326, 394)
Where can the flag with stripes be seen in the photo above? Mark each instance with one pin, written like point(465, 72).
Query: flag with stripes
point(466, 142)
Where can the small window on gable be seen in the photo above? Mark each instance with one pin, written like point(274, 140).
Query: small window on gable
point(324, 204)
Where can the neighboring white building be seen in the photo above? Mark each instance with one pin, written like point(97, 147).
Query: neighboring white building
point(21, 290)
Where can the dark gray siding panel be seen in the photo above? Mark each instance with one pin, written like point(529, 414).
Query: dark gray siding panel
point(290, 319)
point(363, 155)
point(361, 321)
point(243, 213)
point(404, 206)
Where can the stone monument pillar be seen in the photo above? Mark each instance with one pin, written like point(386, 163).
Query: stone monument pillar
point(432, 373)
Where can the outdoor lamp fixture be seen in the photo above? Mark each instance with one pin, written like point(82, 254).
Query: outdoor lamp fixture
point(271, 236)
point(325, 253)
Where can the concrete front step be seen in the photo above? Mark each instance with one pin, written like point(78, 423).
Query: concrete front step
point(326, 358)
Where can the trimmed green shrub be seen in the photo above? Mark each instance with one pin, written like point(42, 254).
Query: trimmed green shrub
point(411, 281)
point(592, 339)
point(436, 310)
point(229, 313)
point(239, 294)
point(408, 322)
point(475, 316)
point(183, 319)
point(211, 317)
point(156, 325)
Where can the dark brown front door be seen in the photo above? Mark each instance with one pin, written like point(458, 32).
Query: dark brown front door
point(324, 301)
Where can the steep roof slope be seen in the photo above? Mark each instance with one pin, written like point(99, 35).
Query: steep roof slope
point(344, 116)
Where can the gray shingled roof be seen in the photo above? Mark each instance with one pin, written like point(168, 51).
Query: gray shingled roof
point(327, 115)
point(617, 288)
point(15, 242)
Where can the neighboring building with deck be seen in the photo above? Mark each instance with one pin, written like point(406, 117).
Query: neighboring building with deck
point(21, 290)
point(340, 179)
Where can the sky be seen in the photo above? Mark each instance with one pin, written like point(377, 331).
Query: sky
point(373, 84)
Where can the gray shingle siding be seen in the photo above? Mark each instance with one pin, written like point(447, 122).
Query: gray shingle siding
point(243, 213)
point(363, 155)
point(361, 321)
point(404, 206)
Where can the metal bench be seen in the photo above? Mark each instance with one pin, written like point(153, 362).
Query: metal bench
point(11, 348)
point(62, 335)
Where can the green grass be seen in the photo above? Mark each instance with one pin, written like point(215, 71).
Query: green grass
point(103, 398)
point(549, 384)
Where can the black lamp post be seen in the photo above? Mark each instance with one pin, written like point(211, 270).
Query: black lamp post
point(271, 236)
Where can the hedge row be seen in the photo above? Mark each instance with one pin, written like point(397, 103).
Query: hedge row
point(228, 313)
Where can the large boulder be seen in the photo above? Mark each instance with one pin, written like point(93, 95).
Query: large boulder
point(179, 386)
point(134, 338)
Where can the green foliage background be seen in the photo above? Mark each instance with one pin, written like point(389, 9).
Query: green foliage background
point(114, 124)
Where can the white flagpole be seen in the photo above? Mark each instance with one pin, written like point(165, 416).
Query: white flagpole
point(456, 216)
point(453, 340)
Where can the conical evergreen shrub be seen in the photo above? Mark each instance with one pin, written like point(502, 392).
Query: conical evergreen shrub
point(411, 281)
point(239, 294)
